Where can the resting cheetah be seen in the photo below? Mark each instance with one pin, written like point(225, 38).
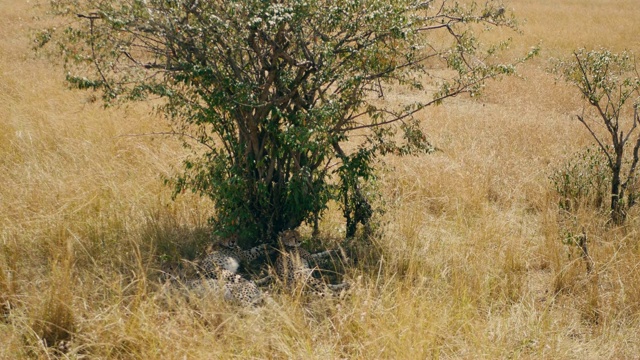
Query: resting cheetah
point(293, 265)
point(229, 256)
point(234, 288)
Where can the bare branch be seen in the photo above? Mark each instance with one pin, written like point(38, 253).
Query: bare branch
point(170, 133)
point(593, 134)
point(631, 175)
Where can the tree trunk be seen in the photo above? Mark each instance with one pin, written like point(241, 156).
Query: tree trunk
point(618, 212)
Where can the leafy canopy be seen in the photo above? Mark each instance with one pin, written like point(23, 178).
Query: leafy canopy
point(273, 90)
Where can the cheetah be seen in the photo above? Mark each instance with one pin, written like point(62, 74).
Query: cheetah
point(234, 288)
point(217, 273)
point(229, 256)
point(293, 265)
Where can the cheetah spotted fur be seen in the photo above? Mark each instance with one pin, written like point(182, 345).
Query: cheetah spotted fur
point(229, 257)
point(293, 266)
point(234, 288)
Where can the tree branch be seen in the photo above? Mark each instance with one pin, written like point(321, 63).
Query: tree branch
point(172, 133)
point(593, 134)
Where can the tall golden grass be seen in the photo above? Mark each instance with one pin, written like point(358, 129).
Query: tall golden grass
point(472, 263)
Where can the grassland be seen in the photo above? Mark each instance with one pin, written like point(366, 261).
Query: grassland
point(472, 263)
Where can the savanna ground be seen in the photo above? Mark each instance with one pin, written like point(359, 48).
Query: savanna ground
point(470, 263)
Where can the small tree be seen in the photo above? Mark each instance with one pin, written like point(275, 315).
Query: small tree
point(272, 90)
point(611, 85)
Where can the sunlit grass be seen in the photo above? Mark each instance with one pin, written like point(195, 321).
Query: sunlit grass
point(469, 259)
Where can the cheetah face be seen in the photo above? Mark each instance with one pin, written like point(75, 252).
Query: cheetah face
point(230, 242)
point(290, 238)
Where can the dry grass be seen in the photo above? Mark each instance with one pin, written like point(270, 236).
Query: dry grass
point(472, 262)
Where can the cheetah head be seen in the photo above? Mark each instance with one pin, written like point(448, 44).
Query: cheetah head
point(229, 241)
point(290, 238)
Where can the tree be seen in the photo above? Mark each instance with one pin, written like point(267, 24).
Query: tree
point(273, 90)
point(611, 85)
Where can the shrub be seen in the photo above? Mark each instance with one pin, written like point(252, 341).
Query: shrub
point(582, 180)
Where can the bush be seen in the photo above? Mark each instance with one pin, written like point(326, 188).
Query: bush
point(583, 180)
